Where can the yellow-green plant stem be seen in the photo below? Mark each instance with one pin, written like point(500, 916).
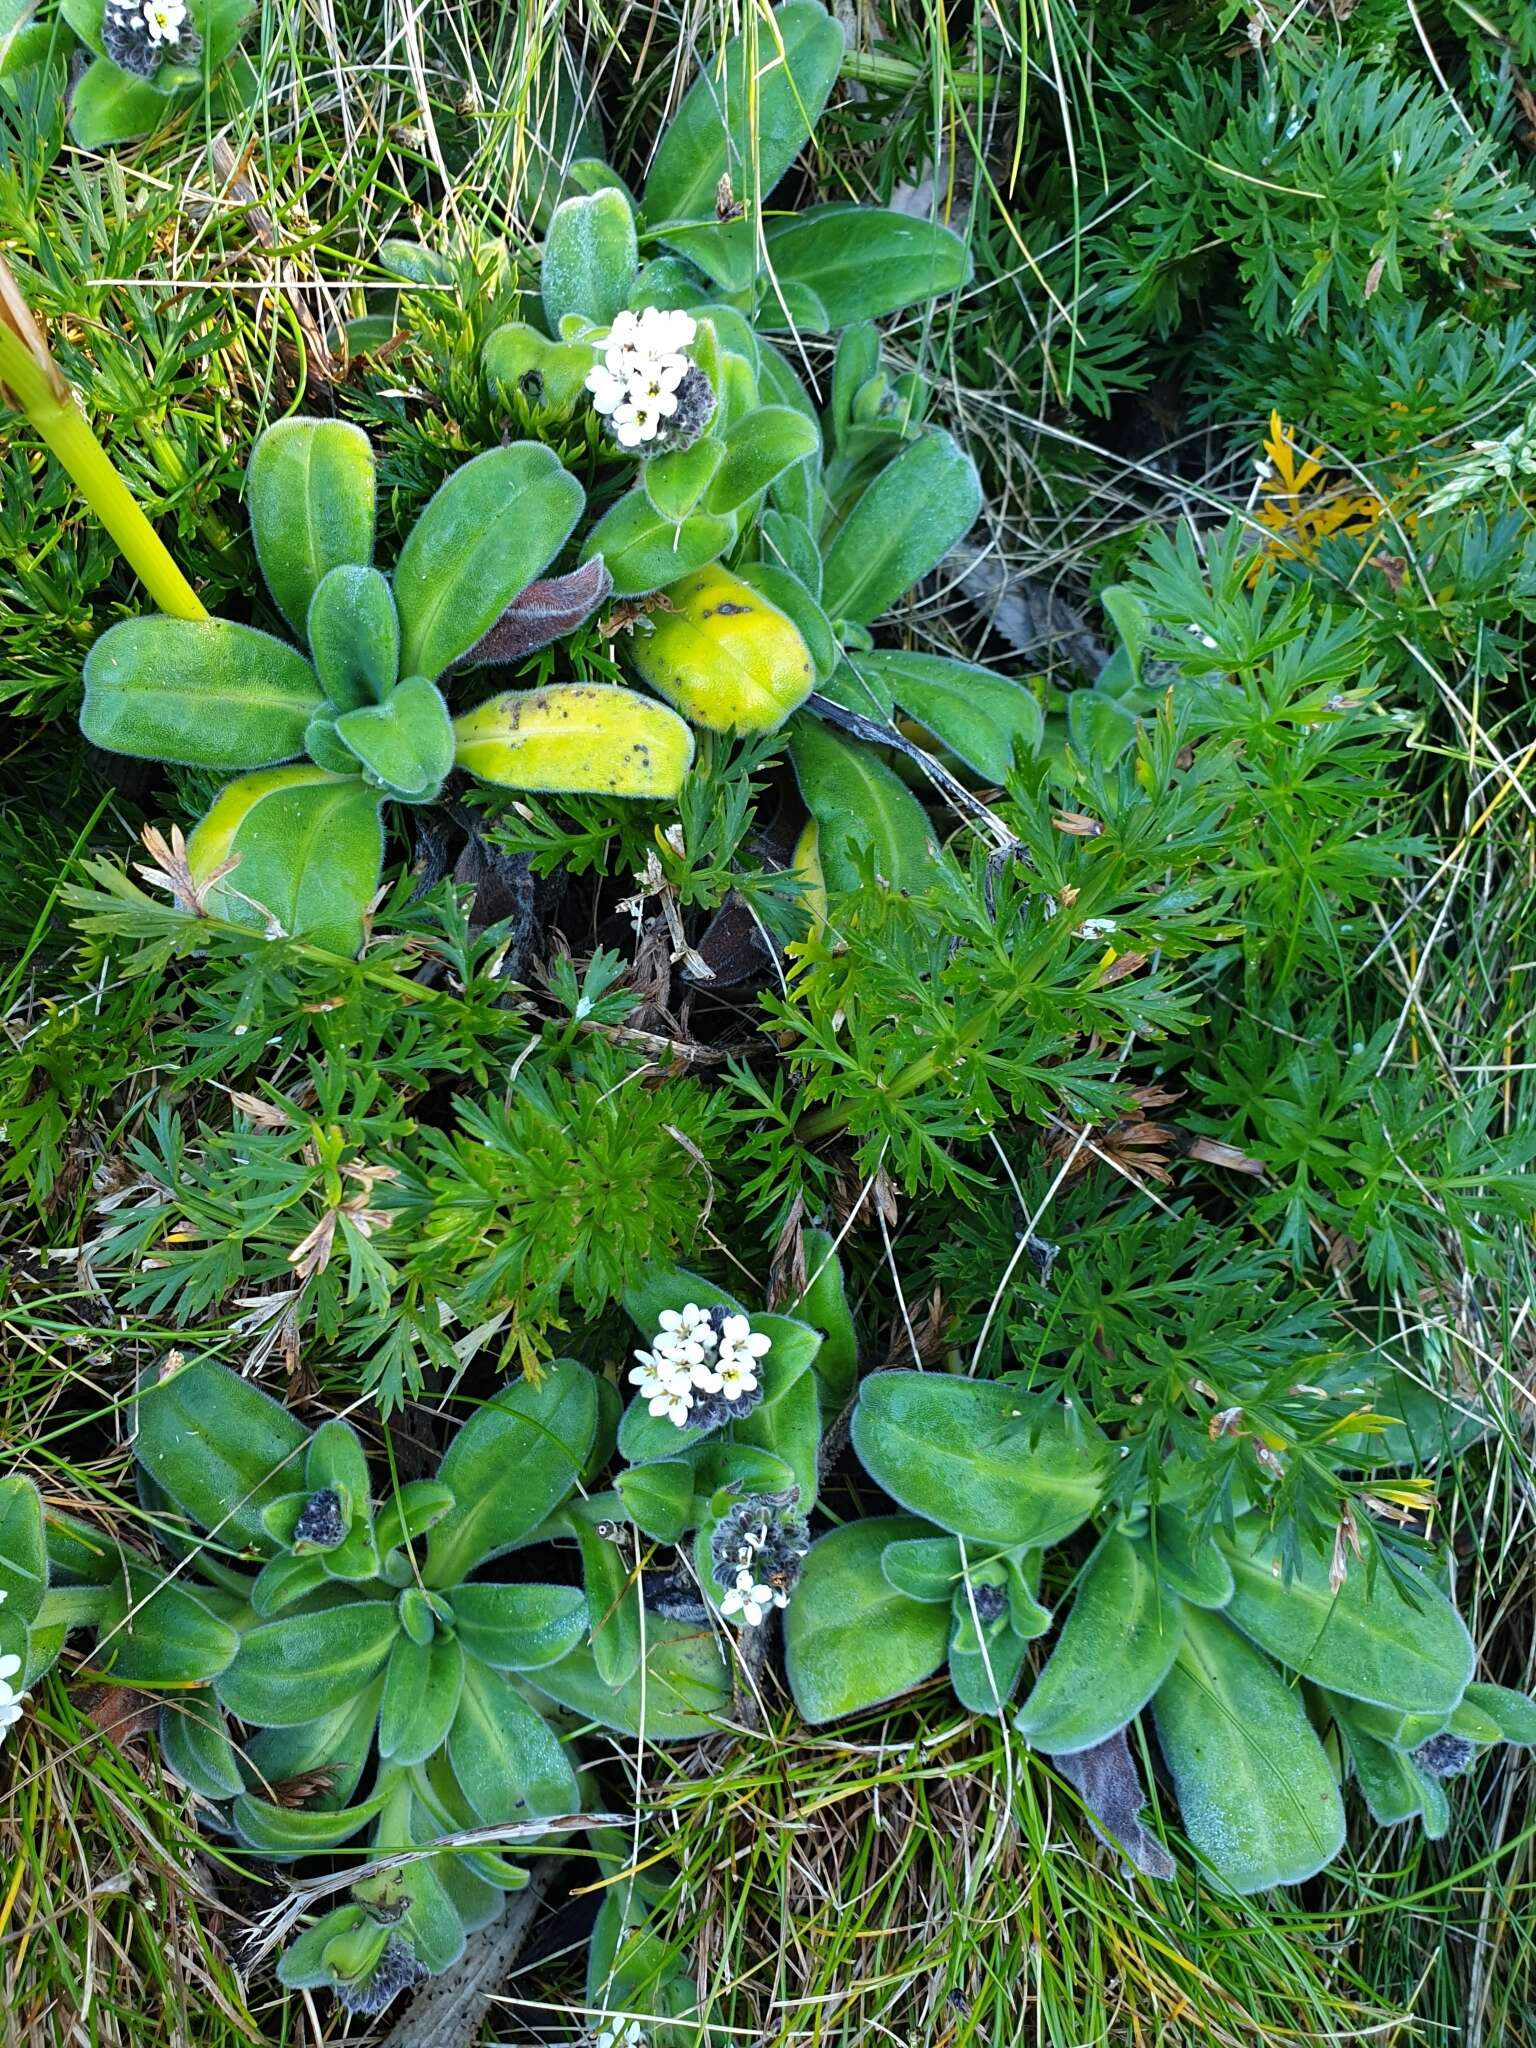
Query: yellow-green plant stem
point(38, 390)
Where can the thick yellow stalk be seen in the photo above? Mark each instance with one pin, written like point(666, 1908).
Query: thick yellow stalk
point(30, 380)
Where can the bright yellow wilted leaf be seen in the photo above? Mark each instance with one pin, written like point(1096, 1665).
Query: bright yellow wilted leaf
point(576, 738)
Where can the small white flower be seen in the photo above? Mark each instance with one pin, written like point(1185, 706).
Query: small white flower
point(750, 1600)
point(619, 2034)
point(735, 1378)
point(739, 1335)
point(164, 20)
point(11, 1702)
point(673, 1404)
point(607, 390)
point(1095, 928)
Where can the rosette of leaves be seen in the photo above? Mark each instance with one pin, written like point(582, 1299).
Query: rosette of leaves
point(141, 75)
point(826, 516)
point(391, 1679)
point(677, 1485)
point(1270, 1679)
point(297, 849)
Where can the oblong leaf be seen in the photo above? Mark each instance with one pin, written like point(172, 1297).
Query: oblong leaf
point(590, 257)
point(482, 539)
point(864, 261)
point(643, 550)
point(724, 655)
point(749, 115)
point(1515, 1712)
point(1256, 1791)
point(758, 449)
point(354, 636)
point(298, 1830)
point(1390, 1786)
point(108, 106)
point(574, 737)
point(338, 1744)
point(976, 713)
point(194, 1741)
point(405, 744)
point(309, 492)
point(205, 693)
point(1369, 1643)
point(154, 1631)
point(220, 1448)
point(509, 1762)
point(861, 807)
point(519, 1628)
point(308, 846)
point(509, 1468)
point(421, 1697)
point(984, 1666)
point(1113, 1653)
point(290, 1671)
point(960, 1453)
point(1193, 1566)
point(23, 1553)
point(658, 1498)
point(926, 1568)
point(680, 1693)
point(545, 611)
point(901, 526)
point(850, 1639)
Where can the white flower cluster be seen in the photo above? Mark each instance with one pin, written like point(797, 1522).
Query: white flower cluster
point(162, 21)
point(619, 2034)
point(634, 387)
point(689, 1356)
point(11, 1702)
point(750, 1597)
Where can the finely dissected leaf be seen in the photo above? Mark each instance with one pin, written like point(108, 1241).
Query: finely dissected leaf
point(206, 693)
point(751, 127)
point(1367, 1643)
point(545, 611)
point(406, 743)
point(643, 550)
point(680, 1693)
point(758, 449)
point(572, 737)
point(510, 1466)
point(723, 655)
point(354, 636)
point(219, 1447)
point(961, 1453)
point(864, 261)
point(590, 258)
point(861, 807)
point(1193, 1566)
point(1113, 1653)
point(901, 526)
point(310, 848)
point(509, 1762)
point(483, 538)
point(309, 492)
point(976, 713)
point(304, 1665)
point(518, 1628)
point(421, 1697)
point(108, 106)
point(194, 1741)
point(154, 1631)
point(850, 1639)
point(1255, 1789)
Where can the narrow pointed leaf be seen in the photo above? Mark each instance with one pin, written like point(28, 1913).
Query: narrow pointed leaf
point(901, 526)
point(861, 807)
point(1113, 1653)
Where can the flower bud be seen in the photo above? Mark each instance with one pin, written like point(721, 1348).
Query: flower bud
point(723, 655)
